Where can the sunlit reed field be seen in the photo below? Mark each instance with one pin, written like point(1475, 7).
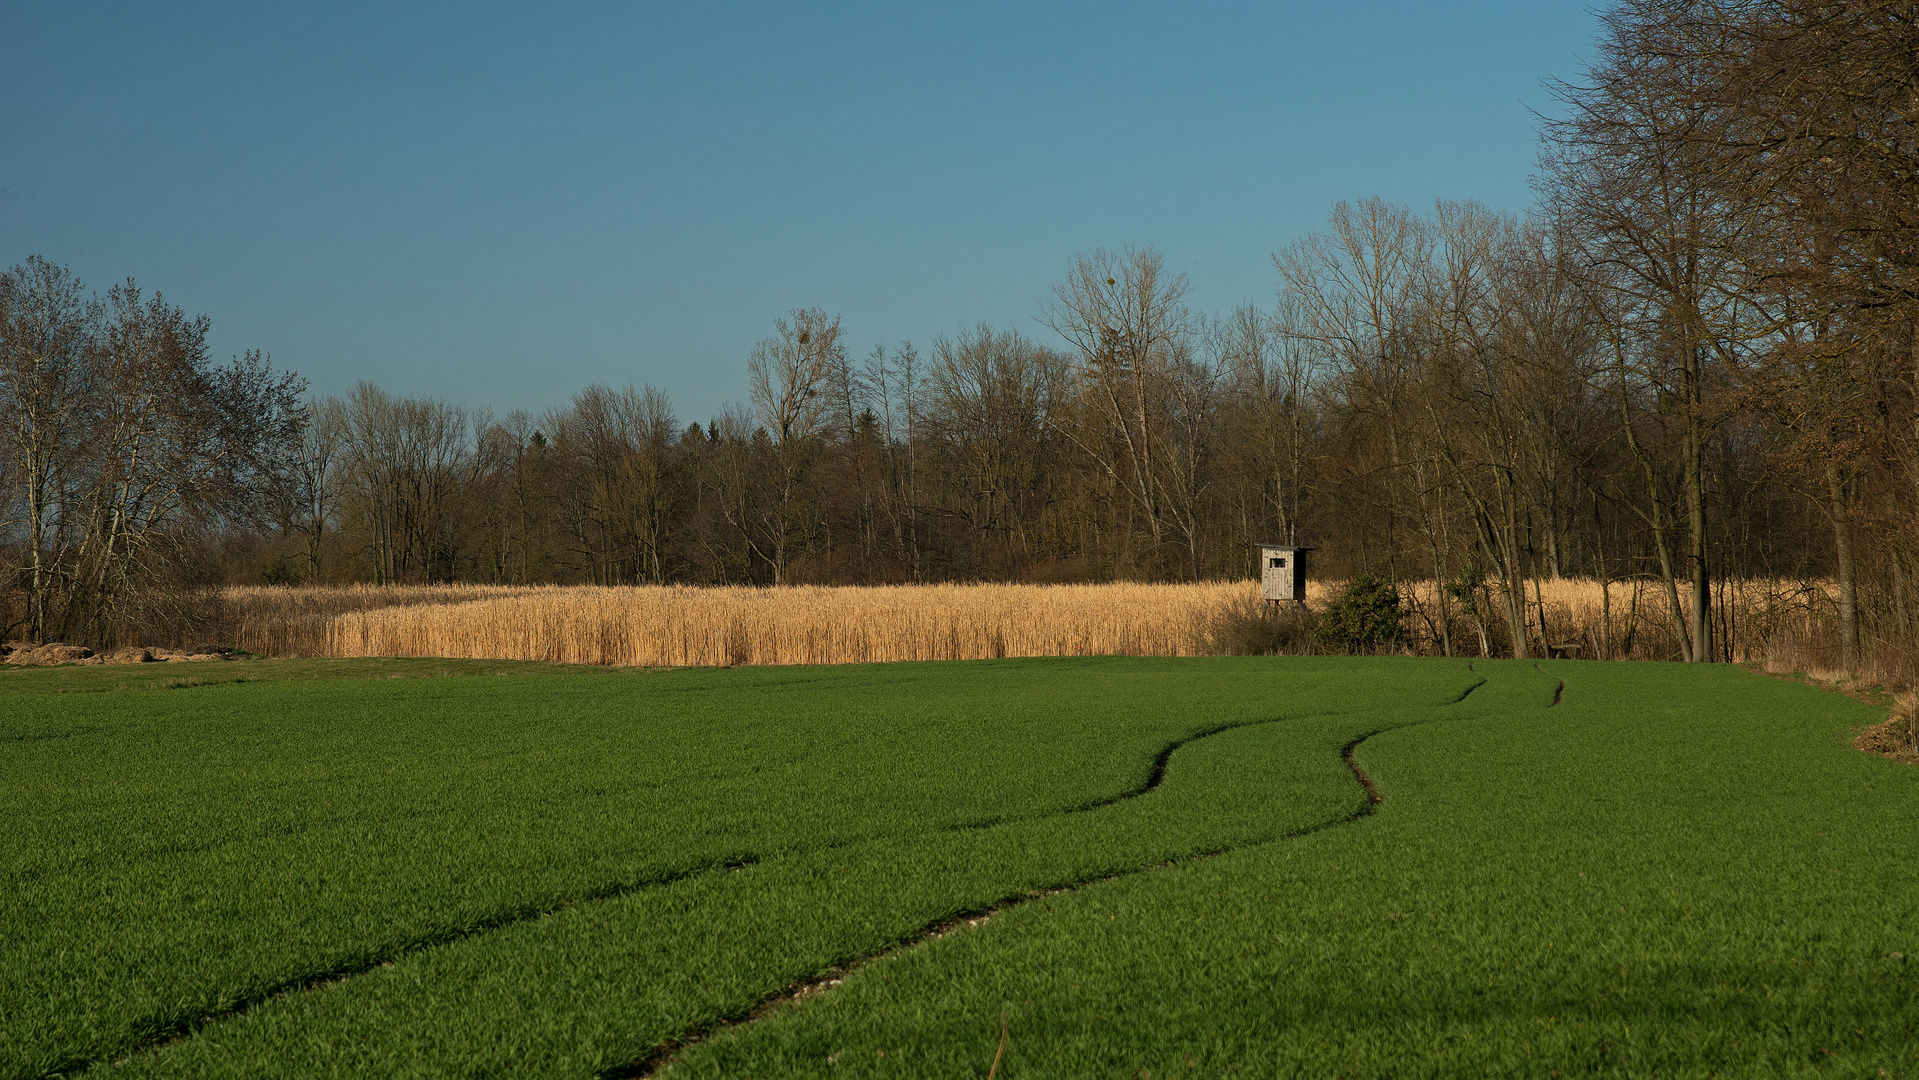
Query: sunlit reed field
point(678, 626)
point(1782, 623)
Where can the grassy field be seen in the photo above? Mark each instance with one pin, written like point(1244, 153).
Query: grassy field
point(1580, 868)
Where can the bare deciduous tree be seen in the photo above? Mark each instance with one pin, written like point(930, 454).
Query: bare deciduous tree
point(127, 443)
point(1636, 175)
point(1126, 318)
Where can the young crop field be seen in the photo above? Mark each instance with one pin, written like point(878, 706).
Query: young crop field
point(1045, 867)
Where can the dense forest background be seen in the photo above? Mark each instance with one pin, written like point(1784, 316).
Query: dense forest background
point(1694, 361)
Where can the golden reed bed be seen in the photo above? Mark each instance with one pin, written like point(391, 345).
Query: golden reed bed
point(676, 626)
point(686, 626)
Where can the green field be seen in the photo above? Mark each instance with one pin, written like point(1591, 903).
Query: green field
point(344, 869)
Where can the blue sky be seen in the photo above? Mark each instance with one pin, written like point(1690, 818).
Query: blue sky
point(501, 204)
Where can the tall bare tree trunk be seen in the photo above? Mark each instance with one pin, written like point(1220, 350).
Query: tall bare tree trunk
point(1912, 461)
point(1840, 509)
point(1702, 651)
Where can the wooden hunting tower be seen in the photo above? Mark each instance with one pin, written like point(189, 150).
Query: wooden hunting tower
point(1282, 573)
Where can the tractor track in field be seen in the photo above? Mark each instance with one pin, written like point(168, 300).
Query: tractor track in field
point(163, 1032)
point(166, 1031)
point(663, 1055)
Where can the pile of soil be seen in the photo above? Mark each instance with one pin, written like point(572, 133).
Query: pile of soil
point(27, 654)
point(1889, 739)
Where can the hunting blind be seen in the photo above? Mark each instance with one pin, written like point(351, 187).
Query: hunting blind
point(1282, 573)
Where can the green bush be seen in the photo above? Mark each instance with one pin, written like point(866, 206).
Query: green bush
point(1365, 617)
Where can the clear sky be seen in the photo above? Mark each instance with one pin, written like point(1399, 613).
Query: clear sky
point(501, 204)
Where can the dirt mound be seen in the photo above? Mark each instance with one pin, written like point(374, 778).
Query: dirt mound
point(1891, 739)
point(27, 654)
point(182, 657)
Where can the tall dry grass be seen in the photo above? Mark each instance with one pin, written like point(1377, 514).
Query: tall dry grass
point(1785, 625)
point(681, 626)
point(279, 620)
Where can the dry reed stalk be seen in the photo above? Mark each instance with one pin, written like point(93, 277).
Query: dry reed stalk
point(1786, 624)
point(678, 626)
point(277, 620)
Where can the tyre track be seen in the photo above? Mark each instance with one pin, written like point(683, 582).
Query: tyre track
point(165, 1031)
point(161, 1032)
point(649, 1064)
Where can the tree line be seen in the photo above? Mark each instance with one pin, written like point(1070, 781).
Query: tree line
point(125, 447)
point(1695, 360)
